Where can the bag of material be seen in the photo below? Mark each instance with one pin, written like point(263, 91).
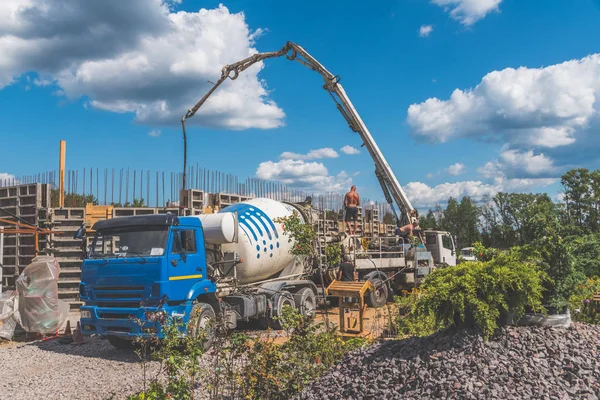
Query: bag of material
point(555, 320)
point(9, 314)
point(40, 309)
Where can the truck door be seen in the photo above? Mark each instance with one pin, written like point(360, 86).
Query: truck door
point(187, 261)
point(448, 252)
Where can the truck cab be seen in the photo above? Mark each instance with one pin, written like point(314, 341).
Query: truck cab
point(141, 264)
point(441, 246)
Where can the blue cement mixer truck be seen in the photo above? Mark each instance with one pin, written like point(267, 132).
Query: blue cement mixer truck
point(235, 264)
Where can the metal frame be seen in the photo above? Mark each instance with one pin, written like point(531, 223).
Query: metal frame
point(389, 184)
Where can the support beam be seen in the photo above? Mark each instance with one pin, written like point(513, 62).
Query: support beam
point(61, 174)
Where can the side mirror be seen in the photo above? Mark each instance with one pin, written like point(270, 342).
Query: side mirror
point(80, 233)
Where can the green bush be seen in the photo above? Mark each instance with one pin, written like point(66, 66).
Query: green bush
point(585, 250)
point(280, 371)
point(581, 302)
point(473, 294)
point(179, 358)
point(243, 367)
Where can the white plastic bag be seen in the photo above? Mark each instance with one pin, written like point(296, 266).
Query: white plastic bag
point(9, 311)
point(40, 309)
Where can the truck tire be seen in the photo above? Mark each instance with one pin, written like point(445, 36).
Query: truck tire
point(306, 301)
point(203, 318)
point(377, 298)
point(280, 300)
point(120, 343)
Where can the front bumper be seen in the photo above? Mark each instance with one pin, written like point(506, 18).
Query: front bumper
point(130, 322)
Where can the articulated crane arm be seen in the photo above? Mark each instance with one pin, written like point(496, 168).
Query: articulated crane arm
point(392, 190)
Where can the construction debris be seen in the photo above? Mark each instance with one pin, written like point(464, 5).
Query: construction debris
point(518, 363)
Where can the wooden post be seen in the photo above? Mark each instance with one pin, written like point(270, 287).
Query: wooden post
point(61, 174)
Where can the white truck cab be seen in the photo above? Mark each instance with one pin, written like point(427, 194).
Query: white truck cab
point(441, 246)
point(468, 254)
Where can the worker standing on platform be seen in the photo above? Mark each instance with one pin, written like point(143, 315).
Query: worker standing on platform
point(351, 203)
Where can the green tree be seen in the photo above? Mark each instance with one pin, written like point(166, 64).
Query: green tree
point(510, 218)
point(389, 219)
point(582, 199)
point(468, 231)
point(461, 219)
point(72, 199)
point(428, 221)
point(138, 203)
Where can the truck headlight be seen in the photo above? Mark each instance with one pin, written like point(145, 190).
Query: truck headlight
point(86, 314)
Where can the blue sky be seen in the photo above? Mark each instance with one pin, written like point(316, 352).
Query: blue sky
point(105, 76)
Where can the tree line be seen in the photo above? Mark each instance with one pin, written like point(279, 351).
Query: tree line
point(513, 219)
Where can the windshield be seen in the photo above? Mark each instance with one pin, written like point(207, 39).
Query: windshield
point(130, 242)
point(467, 252)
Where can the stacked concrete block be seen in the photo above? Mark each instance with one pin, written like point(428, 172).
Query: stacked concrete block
point(360, 228)
point(67, 251)
point(27, 203)
point(194, 201)
point(371, 222)
point(223, 200)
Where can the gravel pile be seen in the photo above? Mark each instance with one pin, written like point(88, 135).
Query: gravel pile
point(518, 363)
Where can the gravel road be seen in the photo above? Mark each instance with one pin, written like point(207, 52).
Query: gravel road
point(51, 370)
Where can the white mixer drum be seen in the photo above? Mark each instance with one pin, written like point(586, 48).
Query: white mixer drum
point(261, 242)
point(218, 228)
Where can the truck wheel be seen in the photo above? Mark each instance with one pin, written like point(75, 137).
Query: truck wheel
point(203, 319)
point(306, 301)
point(120, 343)
point(378, 297)
point(280, 300)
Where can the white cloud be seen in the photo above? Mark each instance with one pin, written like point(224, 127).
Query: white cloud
point(347, 149)
point(310, 176)
point(138, 57)
point(456, 169)
point(517, 164)
point(467, 12)
point(525, 107)
point(154, 133)
point(326, 152)
point(423, 195)
point(430, 175)
point(6, 179)
point(425, 30)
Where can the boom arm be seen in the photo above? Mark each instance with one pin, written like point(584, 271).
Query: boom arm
point(392, 190)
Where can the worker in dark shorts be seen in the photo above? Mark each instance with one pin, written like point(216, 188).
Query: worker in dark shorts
point(347, 270)
point(351, 204)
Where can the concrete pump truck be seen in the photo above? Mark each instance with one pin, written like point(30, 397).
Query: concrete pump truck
point(236, 265)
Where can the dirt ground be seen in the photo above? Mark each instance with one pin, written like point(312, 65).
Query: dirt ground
point(375, 324)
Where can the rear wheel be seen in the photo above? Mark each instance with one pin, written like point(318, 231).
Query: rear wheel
point(306, 301)
point(280, 300)
point(120, 343)
point(202, 323)
point(378, 297)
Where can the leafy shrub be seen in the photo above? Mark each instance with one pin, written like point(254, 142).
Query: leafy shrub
point(333, 254)
point(302, 235)
point(585, 250)
point(179, 358)
point(245, 367)
point(479, 294)
point(484, 253)
point(280, 371)
point(581, 302)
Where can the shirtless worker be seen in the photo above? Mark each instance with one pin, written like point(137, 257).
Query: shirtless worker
point(351, 203)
